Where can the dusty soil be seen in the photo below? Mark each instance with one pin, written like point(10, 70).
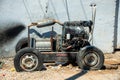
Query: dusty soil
point(63, 73)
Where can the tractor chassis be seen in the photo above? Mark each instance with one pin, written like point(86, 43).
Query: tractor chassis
point(51, 57)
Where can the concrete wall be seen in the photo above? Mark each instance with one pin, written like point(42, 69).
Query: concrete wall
point(118, 26)
point(26, 11)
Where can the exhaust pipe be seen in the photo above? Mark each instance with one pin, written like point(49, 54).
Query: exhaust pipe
point(93, 6)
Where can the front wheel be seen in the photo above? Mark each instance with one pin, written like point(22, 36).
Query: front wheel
point(90, 58)
point(28, 59)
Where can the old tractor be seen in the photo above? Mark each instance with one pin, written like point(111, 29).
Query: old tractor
point(72, 46)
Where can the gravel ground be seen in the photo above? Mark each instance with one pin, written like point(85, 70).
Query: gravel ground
point(62, 73)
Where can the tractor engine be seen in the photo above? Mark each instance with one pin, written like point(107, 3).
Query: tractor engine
point(75, 39)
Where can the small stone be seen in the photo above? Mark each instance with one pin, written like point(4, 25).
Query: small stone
point(12, 69)
point(1, 64)
point(3, 74)
point(77, 69)
point(70, 66)
point(99, 70)
point(60, 65)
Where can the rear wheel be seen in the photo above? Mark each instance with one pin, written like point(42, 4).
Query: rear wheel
point(28, 59)
point(22, 43)
point(90, 58)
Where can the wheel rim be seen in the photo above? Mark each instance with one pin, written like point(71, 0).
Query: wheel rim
point(29, 62)
point(91, 59)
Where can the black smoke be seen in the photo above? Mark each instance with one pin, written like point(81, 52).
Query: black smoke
point(9, 33)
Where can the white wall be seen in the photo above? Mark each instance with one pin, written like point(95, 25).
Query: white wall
point(118, 35)
point(15, 11)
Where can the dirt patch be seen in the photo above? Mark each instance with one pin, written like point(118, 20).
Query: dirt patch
point(62, 73)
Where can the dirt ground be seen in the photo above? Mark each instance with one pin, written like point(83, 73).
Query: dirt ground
point(63, 73)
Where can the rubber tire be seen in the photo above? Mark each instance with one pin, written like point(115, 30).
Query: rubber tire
point(22, 43)
point(82, 53)
point(28, 50)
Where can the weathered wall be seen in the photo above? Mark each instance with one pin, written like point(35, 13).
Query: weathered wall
point(118, 27)
point(14, 11)
point(12, 14)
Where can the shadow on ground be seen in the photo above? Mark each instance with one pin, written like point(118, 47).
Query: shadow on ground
point(78, 75)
